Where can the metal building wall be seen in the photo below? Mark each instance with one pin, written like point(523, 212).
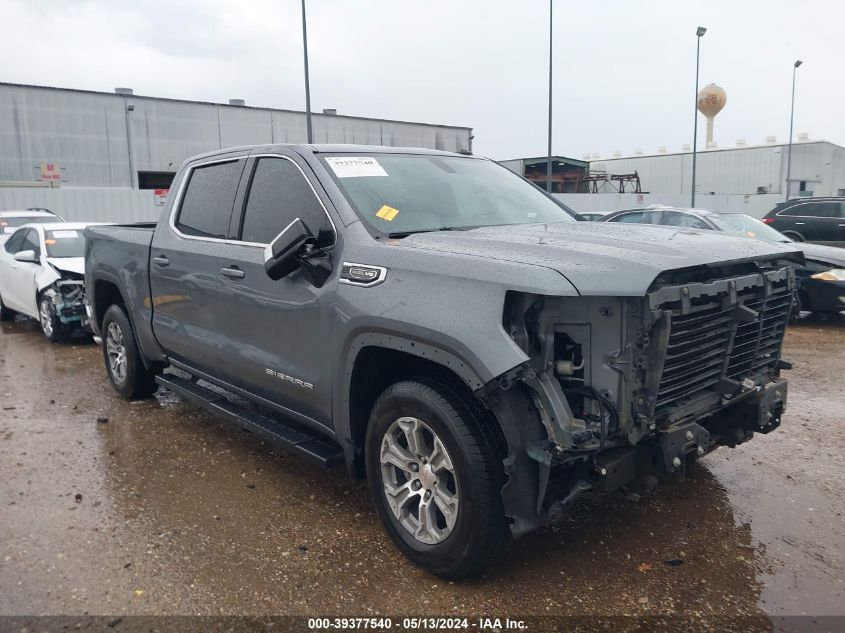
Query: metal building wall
point(84, 133)
point(103, 139)
point(86, 204)
point(737, 171)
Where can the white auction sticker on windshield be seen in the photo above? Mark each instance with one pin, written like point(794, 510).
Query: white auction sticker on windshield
point(355, 166)
point(64, 234)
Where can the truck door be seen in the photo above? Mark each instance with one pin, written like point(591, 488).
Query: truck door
point(274, 333)
point(183, 262)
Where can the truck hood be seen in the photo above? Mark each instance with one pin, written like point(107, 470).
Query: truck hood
point(599, 258)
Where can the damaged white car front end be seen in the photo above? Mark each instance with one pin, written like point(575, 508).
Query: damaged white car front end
point(62, 283)
point(42, 271)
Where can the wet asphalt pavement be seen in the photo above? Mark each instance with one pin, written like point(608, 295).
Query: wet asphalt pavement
point(159, 508)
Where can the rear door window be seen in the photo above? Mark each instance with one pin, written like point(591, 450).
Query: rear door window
point(674, 218)
point(278, 194)
point(206, 207)
point(633, 218)
point(814, 210)
point(828, 209)
point(646, 216)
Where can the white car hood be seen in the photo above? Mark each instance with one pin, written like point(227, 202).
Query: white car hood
point(68, 264)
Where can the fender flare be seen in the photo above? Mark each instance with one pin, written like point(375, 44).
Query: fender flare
point(130, 312)
point(450, 359)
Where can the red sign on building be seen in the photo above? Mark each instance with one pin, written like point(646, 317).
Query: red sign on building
point(51, 172)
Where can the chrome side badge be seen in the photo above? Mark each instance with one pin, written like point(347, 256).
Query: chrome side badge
point(363, 275)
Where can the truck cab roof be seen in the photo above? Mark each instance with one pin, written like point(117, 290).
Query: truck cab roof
point(328, 148)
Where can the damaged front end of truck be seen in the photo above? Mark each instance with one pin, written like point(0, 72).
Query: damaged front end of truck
point(619, 388)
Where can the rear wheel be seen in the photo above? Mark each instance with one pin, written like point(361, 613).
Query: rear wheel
point(795, 236)
point(436, 477)
point(126, 370)
point(52, 327)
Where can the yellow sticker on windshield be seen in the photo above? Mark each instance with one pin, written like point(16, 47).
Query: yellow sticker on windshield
point(387, 213)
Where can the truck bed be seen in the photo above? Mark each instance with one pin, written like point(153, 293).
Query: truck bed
point(120, 254)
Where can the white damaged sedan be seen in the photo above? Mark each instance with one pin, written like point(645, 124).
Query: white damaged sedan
point(42, 270)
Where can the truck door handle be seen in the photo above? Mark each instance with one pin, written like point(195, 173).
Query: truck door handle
point(233, 271)
point(801, 223)
point(161, 261)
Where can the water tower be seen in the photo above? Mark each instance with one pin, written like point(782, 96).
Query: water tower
point(711, 100)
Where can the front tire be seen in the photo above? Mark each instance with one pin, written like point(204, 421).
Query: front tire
point(125, 368)
point(435, 475)
point(51, 326)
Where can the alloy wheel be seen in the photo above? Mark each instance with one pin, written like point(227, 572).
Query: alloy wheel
point(46, 317)
point(419, 480)
point(116, 352)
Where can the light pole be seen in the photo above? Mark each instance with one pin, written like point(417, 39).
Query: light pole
point(698, 32)
point(549, 163)
point(307, 87)
point(795, 66)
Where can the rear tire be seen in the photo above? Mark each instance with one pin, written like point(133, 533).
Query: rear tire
point(124, 365)
point(435, 475)
point(5, 313)
point(795, 236)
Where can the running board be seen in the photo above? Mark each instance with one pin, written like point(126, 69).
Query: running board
point(294, 439)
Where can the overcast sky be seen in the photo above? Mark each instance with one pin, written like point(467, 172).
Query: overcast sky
point(623, 71)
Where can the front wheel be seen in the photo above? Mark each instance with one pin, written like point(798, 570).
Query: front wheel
point(126, 370)
point(436, 477)
point(52, 327)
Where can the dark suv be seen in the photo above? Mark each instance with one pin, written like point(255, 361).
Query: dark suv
point(820, 220)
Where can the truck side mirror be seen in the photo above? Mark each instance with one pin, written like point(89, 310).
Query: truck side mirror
point(26, 256)
point(280, 256)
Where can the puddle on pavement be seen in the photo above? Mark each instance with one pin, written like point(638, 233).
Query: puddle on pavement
point(201, 517)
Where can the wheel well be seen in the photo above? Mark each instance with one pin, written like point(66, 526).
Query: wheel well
point(106, 294)
point(375, 369)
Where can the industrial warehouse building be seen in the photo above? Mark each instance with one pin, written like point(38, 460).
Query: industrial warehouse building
point(818, 169)
point(751, 179)
point(111, 156)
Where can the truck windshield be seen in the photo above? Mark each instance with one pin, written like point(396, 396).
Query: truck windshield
point(399, 194)
point(746, 226)
point(64, 243)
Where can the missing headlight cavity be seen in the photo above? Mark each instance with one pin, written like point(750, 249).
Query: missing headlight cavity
point(576, 347)
point(67, 298)
point(520, 319)
point(585, 401)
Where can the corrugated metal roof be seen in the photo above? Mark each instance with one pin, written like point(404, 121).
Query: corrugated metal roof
point(103, 139)
point(227, 105)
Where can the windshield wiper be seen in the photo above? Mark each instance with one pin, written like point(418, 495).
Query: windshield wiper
point(400, 234)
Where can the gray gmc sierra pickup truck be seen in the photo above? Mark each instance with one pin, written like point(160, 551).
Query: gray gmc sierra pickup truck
point(443, 328)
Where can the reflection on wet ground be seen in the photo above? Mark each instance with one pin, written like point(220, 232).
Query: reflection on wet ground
point(155, 507)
